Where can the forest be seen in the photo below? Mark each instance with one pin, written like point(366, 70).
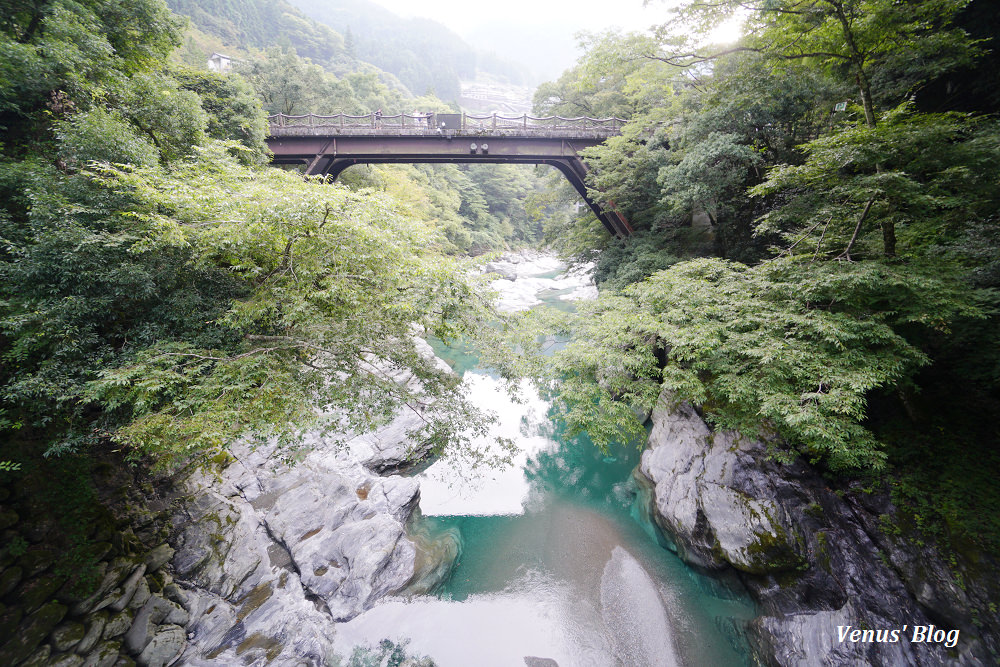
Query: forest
point(816, 256)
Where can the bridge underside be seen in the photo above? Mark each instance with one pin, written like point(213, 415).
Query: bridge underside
point(330, 155)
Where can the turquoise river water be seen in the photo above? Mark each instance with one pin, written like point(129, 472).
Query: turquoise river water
point(560, 563)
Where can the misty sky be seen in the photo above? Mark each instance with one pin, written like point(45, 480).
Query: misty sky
point(463, 16)
point(540, 34)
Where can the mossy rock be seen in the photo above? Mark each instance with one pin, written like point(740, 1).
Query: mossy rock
point(771, 553)
point(815, 510)
point(823, 551)
point(124, 661)
point(67, 660)
point(82, 584)
point(158, 556)
point(164, 647)
point(36, 531)
point(95, 629)
point(36, 560)
point(125, 542)
point(104, 531)
point(10, 618)
point(31, 632)
point(748, 534)
point(118, 625)
point(33, 593)
point(10, 578)
point(107, 654)
point(141, 594)
point(156, 581)
point(8, 554)
point(67, 635)
point(40, 658)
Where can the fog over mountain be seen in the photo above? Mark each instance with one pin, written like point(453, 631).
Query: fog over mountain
point(425, 54)
point(541, 36)
point(546, 50)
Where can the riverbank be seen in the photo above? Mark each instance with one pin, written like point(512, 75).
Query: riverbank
point(817, 559)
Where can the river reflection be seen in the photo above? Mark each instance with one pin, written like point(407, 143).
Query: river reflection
point(557, 562)
point(450, 488)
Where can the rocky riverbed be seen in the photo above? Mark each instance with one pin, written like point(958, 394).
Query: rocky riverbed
point(275, 546)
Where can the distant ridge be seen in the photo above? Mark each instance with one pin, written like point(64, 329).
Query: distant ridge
point(424, 54)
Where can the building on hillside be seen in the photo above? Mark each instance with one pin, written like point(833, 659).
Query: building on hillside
point(220, 63)
point(489, 97)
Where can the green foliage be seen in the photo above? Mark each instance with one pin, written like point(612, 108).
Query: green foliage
point(171, 117)
point(626, 261)
point(335, 282)
point(75, 297)
point(102, 136)
point(18, 546)
point(160, 290)
point(784, 348)
point(921, 177)
point(882, 48)
point(710, 176)
point(60, 54)
point(289, 84)
point(477, 208)
point(234, 111)
point(611, 80)
point(261, 24)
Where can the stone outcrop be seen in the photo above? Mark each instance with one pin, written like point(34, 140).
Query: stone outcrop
point(268, 549)
point(270, 555)
point(815, 559)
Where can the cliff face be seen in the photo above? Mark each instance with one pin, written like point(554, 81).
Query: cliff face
point(816, 560)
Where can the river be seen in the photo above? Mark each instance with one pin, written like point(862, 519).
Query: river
point(559, 563)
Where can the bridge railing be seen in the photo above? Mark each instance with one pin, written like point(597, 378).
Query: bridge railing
point(433, 123)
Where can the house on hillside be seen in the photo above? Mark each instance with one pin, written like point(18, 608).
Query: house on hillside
point(220, 63)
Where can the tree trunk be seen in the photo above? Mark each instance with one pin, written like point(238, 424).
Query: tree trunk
point(888, 238)
point(866, 97)
point(858, 63)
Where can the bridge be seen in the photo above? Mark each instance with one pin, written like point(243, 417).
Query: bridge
point(327, 145)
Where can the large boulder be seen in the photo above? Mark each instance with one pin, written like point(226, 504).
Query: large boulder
point(31, 632)
point(814, 559)
point(270, 554)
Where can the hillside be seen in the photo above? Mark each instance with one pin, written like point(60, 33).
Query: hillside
point(424, 54)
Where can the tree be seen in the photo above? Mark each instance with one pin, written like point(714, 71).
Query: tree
point(929, 176)
point(234, 111)
point(61, 55)
point(902, 45)
point(186, 305)
point(334, 285)
point(286, 83)
point(771, 350)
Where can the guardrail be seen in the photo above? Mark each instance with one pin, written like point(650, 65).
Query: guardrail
point(435, 123)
